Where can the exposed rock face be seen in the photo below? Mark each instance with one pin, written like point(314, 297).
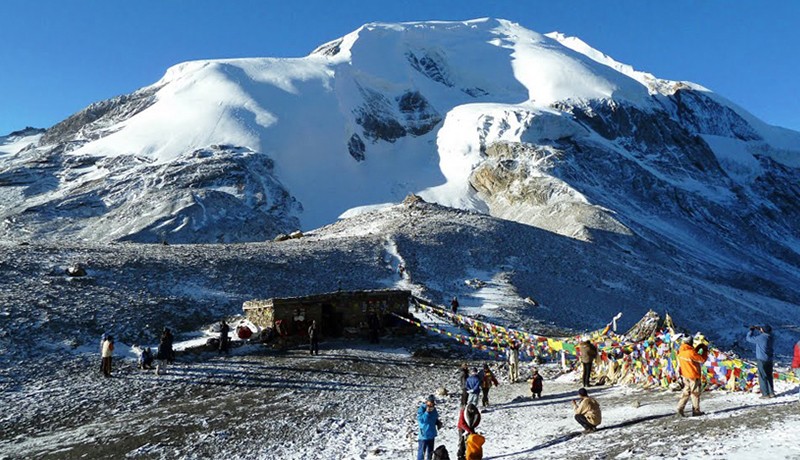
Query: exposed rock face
point(91, 122)
point(219, 194)
point(420, 117)
point(692, 109)
point(432, 65)
point(356, 147)
point(376, 117)
point(384, 121)
point(515, 190)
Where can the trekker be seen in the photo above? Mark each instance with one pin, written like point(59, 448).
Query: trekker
point(108, 351)
point(587, 411)
point(165, 354)
point(512, 353)
point(486, 383)
point(689, 363)
point(536, 384)
point(102, 342)
point(428, 419)
point(473, 386)
point(796, 362)
point(223, 336)
point(146, 359)
point(588, 355)
point(374, 325)
point(764, 353)
point(454, 305)
point(468, 419)
point(462, 379)
point(313, 338)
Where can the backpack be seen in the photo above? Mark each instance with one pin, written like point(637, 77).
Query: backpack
point(475, 446)
point(440, 453)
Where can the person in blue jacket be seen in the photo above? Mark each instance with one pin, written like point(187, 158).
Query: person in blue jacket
point(764, 353)
point(428, 419)
point(473, 386)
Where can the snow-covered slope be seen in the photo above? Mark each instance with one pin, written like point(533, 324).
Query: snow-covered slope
point(389, 109)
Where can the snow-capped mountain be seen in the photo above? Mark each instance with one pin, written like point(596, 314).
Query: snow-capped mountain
point(482, 115)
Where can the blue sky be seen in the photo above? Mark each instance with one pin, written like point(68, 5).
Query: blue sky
point(58, 56)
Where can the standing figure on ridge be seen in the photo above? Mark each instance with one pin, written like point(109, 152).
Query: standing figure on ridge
point(223, 336)
point(796, 362)
point(764, 354)
point(428, 419)
point(454, 305)
point(108, 351)
point(512, 353)
point(536, 384)
point(463, 374)
point(468, 419)
point(689, 366)
point(473, 386)
point(486, 383)
point(313, 338)
point(588, 356)
point(165, 354)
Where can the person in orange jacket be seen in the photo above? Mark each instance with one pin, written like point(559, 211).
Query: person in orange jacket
point(689, 365)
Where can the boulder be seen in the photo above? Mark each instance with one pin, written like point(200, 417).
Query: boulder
point(76, 270)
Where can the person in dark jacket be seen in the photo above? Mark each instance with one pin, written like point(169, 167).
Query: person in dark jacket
point(146, 359)
point(165, 352)
point(428, 419)
point(313, 338)
point(486, 383)
point(764, 354)
point(223, 336)
point(463, 374)
point(588, 355)
point(473, 386)
point(468, 419)
point(454, 305)
point(536, 384)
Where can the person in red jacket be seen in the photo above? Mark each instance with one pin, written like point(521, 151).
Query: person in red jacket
point(796, 362)
point(468, 419)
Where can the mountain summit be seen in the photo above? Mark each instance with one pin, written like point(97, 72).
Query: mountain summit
point(482, 115)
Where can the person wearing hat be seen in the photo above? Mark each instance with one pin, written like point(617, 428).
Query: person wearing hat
point(468, 419)
point(764, 354)
point(473, 386)
point(428, 419)
point(486, 383)
point(689, 362)
point(587, 411)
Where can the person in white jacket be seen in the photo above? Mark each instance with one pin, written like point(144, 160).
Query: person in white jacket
point(107, 352)
point(512, 353)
